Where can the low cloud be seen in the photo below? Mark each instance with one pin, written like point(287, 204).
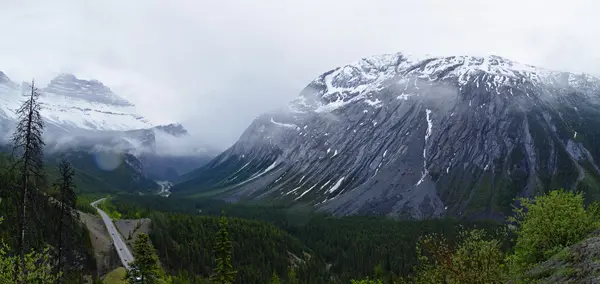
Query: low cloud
point(216, 65)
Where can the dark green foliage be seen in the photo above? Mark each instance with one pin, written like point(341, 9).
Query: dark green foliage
point(366, 281)
point(41, 232)
point(28, 147)
point(548, 224)
point(66, 203)
point(187, 243)
point(323, 249)
point(90, 178)
point(224, 272)
point(110, 209)
point(292, 278)
point(145, 268)
point(475, 258)
point(84, 200)
point(275, 278)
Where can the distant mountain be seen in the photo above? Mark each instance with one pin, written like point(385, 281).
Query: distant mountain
point(418, 137)
point(71, 104)
point(82, 114)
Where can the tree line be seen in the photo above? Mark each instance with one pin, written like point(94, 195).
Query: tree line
point(271, 240)
point(43, 240)
point(541, 229)
point(367, 249)
point(146, 268)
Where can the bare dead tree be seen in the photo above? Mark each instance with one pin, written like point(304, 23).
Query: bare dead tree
point(28, 150)
point(66, 201)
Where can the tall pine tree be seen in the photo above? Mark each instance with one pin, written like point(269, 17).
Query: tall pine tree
point(292, 278)
point(66, 202)
point(275, 278)
point(28, 146)
point(224, 272)
point(144, 268)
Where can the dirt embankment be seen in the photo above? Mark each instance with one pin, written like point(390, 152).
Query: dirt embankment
point(131, 228)
point(106, 256)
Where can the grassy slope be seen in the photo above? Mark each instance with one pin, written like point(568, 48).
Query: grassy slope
point(579, 263)
point(115, 277)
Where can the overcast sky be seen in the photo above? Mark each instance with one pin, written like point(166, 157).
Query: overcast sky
point(215, 65)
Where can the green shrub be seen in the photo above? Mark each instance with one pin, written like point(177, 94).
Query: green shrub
point(547, 224)
point(476, 258)
point(366, 281)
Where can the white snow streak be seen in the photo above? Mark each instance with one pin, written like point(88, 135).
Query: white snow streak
point(336, 185)
point(241, 169)
point(374, 103)
point(287, 125)
point(427, 135)
point(429, 124)
point(404, 96)
point(291, 191)
point(325, 184)
point(272, 166)
point(305, 192)
point(301, 179)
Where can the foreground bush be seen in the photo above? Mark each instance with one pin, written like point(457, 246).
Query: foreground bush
point(547, 224)
point(476, 258)
point(39, 267)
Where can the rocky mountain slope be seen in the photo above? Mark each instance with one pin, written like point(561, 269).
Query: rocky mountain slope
point(418, 137)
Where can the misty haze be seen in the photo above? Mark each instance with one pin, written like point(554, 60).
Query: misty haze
point(299, 142)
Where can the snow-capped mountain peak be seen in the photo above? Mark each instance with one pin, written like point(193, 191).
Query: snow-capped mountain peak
point(92, 90)
point(358, 81)
point(69, 103)
point(417, 136)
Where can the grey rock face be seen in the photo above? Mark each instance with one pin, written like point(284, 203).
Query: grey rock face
point(174, 129)
point(93, 90)
point(418, 137)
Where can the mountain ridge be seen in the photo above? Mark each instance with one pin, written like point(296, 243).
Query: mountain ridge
point(417, 137)
point(86, 114)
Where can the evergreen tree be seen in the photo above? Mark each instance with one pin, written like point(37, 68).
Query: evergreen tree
point(275, 278)
point(28, 146)
point(144, 267)
point(292, 278)
point(39, 267)
point(66, 201)
point(224, 272)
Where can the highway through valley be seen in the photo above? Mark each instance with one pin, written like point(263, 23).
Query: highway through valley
point(122, 249)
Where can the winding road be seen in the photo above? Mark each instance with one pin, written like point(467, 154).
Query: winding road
point(122, 249)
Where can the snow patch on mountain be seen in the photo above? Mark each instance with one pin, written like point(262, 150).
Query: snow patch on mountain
point(363, 79)
point(69, 103)
point(288, 125)
point(427, 135)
